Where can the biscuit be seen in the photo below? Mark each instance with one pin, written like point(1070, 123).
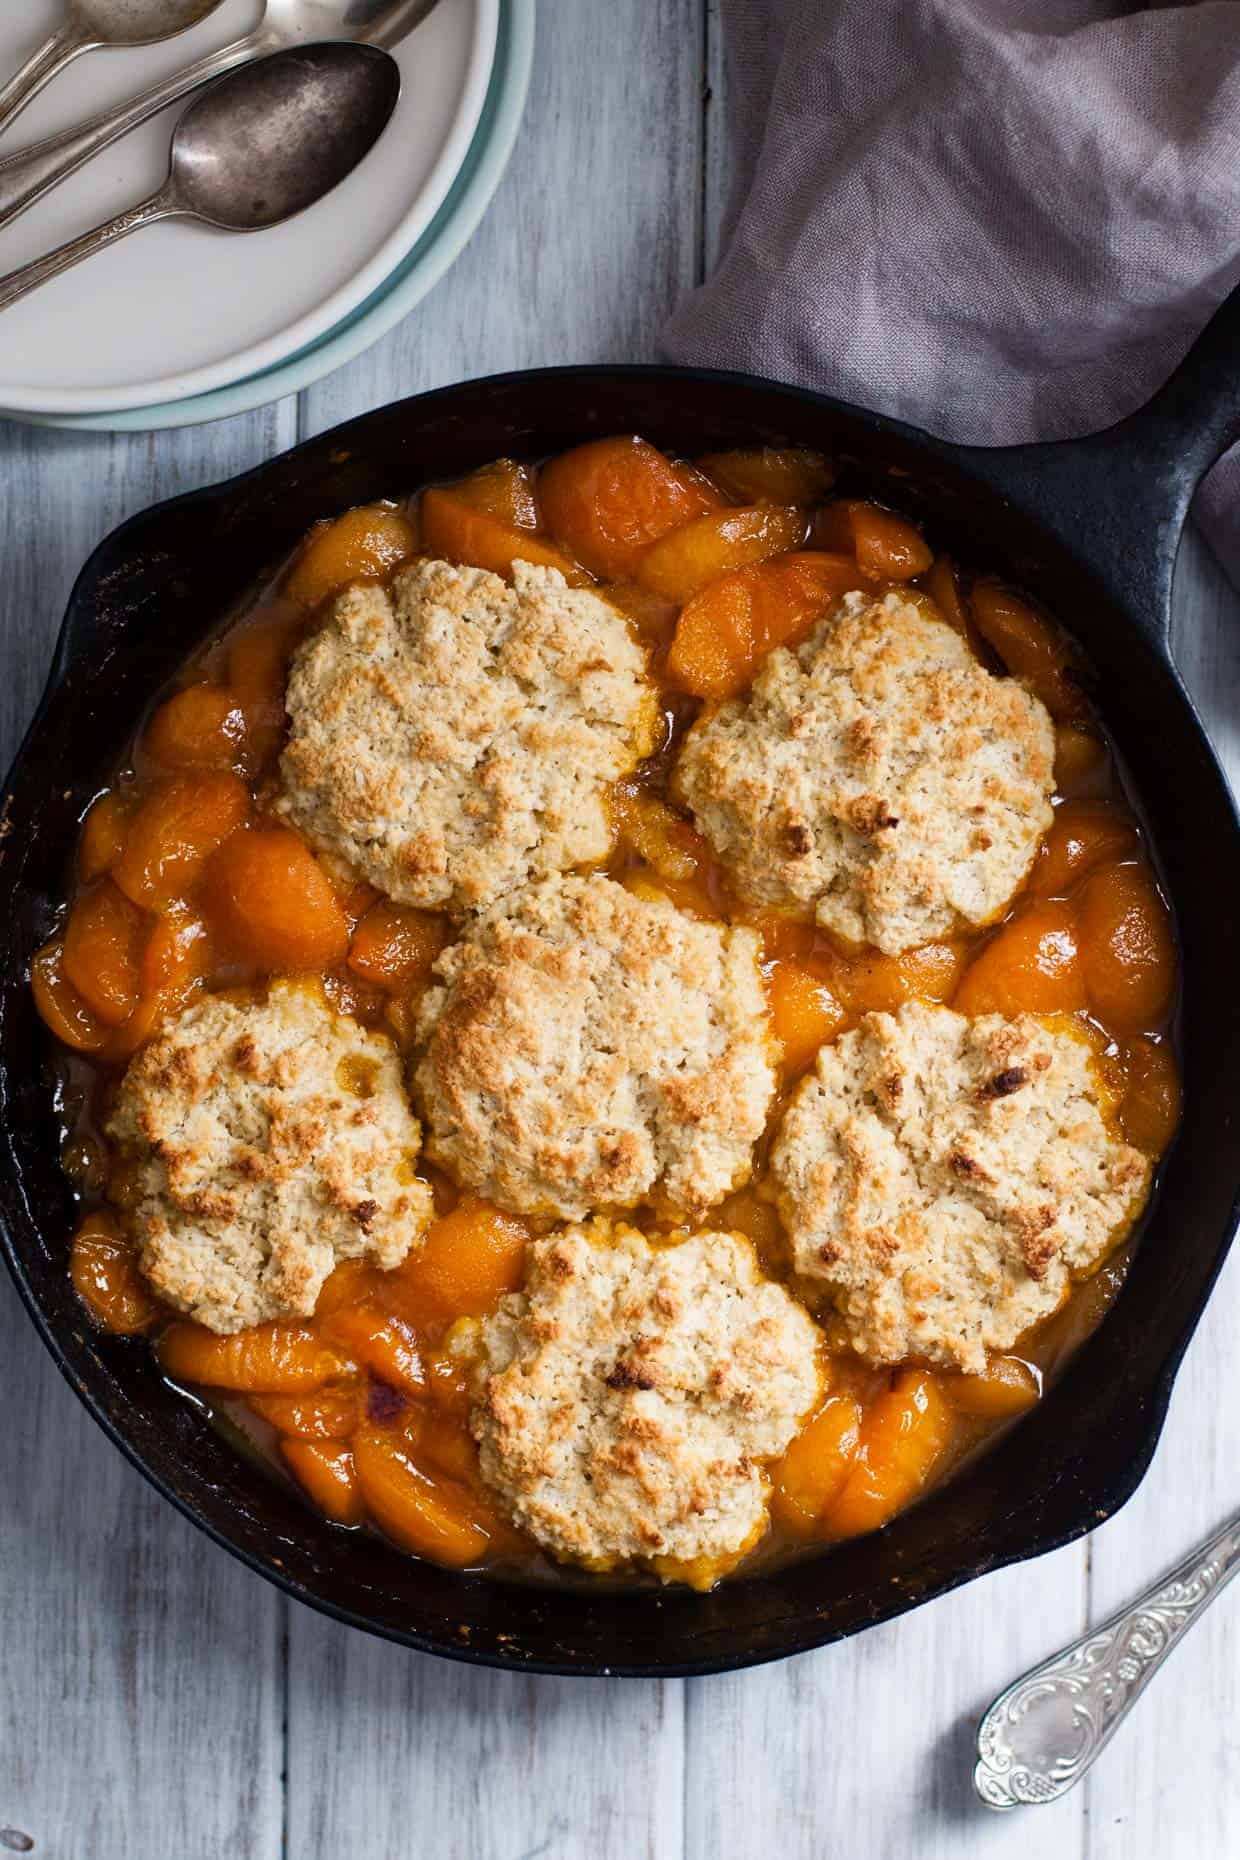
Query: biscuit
point(454, 737)
point(261, 1142)
point(877, 777)
point(586, 1050)
point(949, 1178)
point(631, 1395)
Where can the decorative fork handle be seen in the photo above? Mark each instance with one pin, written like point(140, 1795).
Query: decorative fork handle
point(31, 172)
point(1041, 1735)
point(41, 67)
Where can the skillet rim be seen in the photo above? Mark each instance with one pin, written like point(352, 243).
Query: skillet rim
point(1149, 1404)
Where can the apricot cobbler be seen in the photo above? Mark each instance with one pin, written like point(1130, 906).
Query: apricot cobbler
point(617, 1015)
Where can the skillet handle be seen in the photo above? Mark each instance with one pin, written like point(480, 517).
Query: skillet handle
point(1119, 498)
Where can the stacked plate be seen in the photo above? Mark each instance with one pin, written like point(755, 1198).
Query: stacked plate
point(180, 324)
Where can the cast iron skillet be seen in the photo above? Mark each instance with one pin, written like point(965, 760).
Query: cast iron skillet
point(1091, 527)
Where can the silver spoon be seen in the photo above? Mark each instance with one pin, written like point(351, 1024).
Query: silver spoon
point(1042, 1734)
point(254, 149)
point(91, 24)
point(27, 175)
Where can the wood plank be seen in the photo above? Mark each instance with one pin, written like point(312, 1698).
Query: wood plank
point(867, 1748)
point(593, 236)
point(1169, 1783)
point(920, 1684)
point(594, 232)
point(773, 1730)
point(743, 46)
point(65, 492)
point(392, 1750)
point(142, 1713)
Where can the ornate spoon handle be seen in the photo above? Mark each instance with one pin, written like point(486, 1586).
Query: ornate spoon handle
point(29, 173)
point(41, 67)
point(1041, 1735)
point(17, 284)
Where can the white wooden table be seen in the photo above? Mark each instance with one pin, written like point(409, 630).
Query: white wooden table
point(158, 1702)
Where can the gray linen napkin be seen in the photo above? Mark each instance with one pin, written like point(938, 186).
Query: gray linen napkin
point(1000, 219)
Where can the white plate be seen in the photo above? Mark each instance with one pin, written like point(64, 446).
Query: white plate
point(442, 242)
point(178, 309)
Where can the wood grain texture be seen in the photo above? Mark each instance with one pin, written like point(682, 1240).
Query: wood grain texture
point(1171, 1780)
point(479, 1765)
point(593, 235)
point(141, 1711)
point(141, 1714)
point(595, 230)
point(867, 1748)
point(162, 1704)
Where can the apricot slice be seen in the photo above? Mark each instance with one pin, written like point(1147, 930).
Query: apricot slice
point(1127, 949)
point(887, 547)
point(394, 945)
point(943, 586)
point(1080, 758)
point(257, 664)
point(1150, 1110)
point(173, 834)
point(61, 1008)
point(1007, 1386)
point(813, 1469)
point(504, 490)
point(687, 559)
point(366, 542)
point(331, 1414)
point(450, 1382)
point(1032, 966)
point(105, 1277)
point(380, 1342)
point(1031, 647)
point(607, 501)
point(651, 617)
point(176, 958)
point(876, 984)
point(789, 939)
point(328, 1476)
point(349, 994)
point(400, 1016)
point(1084, 833)
point(457, 530)
point(356, 896)
point(351, 1282)
point(269, 1359)
point(273, 904)
point(905, 1434)
point(202, 727)
point(103, 948)
point(725, 632)
point(747, 1212)
point(468, 1260)
point(804, 1013)
point(686, 894)
point(770, 475)
point(103, 836)
point(660, 836)
point(435, 1517)
point(446, 1446)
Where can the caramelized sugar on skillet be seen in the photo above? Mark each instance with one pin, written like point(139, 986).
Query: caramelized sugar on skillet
point(186, 881)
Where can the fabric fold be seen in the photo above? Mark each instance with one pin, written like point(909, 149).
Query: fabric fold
point(999, 219)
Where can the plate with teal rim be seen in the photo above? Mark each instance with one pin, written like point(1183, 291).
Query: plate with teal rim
point(420, 270)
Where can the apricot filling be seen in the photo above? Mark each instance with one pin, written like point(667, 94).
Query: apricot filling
point(725, 631)
point(187, 879)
